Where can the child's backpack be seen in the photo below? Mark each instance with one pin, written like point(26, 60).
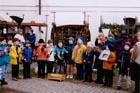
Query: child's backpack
point(1, 52)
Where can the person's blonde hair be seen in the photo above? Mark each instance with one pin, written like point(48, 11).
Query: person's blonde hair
point(138, 33)
point(101, 35)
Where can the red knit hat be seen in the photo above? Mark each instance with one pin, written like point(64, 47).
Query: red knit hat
point(15, 39)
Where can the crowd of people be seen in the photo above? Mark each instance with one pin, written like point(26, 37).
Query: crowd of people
point(74, 58)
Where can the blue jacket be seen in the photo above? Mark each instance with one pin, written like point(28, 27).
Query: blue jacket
point(27, 54)
point(32, 39)
point(88, 57)
point(4, 59)
point(69, 48)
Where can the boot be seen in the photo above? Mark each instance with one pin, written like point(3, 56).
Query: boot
point(3, 82)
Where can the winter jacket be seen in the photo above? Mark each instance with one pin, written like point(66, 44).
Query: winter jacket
point(27, 54)
point(78, 53)
point(88, 57)
point(41, 53)
point(51, 50)
point(13, 55)
point(124, 62)
point(69, 48)
point(32, 39)
point(120, 44)
point(60, 55)
point(4, 58)
point(108, 65)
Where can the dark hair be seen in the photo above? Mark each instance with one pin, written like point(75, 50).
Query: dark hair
point(31, 30)
point(41, 41)
point(2, 38)
point(111, 47)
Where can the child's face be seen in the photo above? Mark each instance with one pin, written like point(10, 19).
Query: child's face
point(60, 44)
point(138, 37)
point(16, 42)
point(126, 47)
point(50, 44)
point(28, 45)
point(3, 42)
point(70, 42)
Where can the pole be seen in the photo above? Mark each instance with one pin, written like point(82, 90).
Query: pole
point(46, 28)
point(39, 7)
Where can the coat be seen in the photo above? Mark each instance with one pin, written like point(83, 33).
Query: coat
point(108, 65)
point(60, 55)
point(4, 58)
point(69, 48)
point(124, 62)
point(13, 55)
point(78, 53)
point(27, 54)
point(88, 57)
point(41, 54)
point(32, 39)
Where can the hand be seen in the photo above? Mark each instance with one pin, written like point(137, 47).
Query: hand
point(48, 55)
point(128, 69)
point(84, 61)
point(42, 49)
point(17, 56)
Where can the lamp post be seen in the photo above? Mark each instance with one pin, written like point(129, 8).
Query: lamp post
point(46, 28)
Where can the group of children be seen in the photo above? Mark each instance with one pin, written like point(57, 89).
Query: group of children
point(60, 59)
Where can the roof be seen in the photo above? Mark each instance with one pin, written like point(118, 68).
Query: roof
point(23, 24)
point(70, 26)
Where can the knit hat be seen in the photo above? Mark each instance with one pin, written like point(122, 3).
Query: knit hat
point(15, 39)
point(71, 38)
point(27, 42)
point(41, 41)
point(90, 44)
point(81, 38)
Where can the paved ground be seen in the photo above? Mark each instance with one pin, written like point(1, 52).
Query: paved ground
point(36, 85)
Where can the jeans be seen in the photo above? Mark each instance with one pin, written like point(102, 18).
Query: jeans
point(128, 81)
point(4, 70)
point(60, 69)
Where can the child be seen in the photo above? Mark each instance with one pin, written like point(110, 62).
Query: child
point(108, 66)
point(70, 62)
point(4, 60)
point(16, 56)
point(123, 64)
point(77, 53)
point(41, 53)
point(27, 56)
point(88, 59)
point(135, 65)
point(60, 57)
point(51, 57)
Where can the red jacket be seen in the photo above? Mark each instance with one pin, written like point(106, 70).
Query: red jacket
point(41, 55)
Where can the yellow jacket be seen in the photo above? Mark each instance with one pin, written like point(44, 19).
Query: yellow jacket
point(78, 53)
point(13, 55)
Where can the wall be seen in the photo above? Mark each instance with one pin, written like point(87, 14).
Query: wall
point(71, 12)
